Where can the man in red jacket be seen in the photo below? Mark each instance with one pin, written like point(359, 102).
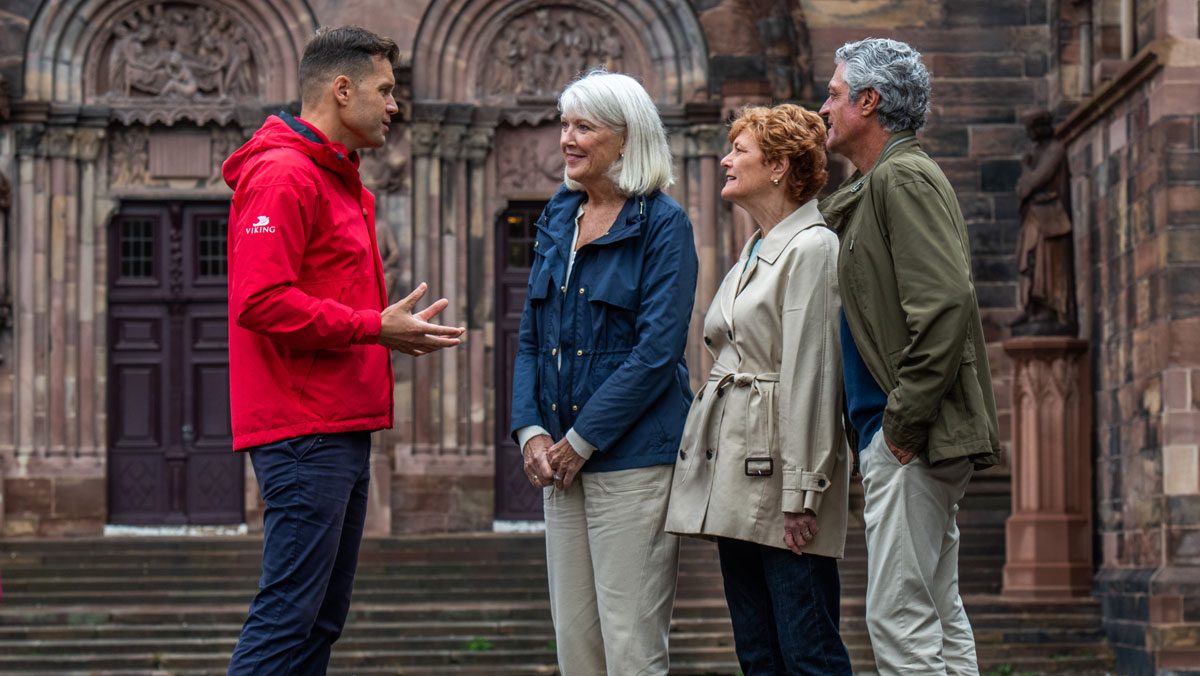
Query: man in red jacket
point(309, 361)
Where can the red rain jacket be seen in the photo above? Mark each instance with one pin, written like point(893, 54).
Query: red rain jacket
point(305, 290)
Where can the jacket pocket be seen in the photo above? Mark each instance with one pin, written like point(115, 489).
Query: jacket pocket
point(613, 310)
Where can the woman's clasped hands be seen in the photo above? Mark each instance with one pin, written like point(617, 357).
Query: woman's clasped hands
point(547, 462)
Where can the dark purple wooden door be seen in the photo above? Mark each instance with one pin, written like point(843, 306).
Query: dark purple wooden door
point(516, 499)
point(170, 459)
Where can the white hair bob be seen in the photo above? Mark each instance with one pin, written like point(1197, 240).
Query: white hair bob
point(618, 102)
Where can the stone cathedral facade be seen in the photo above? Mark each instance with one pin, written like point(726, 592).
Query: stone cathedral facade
point(115, 116)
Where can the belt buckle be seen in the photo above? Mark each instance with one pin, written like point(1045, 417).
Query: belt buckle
point(760, 466)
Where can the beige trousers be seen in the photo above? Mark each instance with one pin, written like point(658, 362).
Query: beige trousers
point(612, 572)
point(914, 612)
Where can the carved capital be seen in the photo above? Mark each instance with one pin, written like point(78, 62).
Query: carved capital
point(87, 143)
point(707, 140)
point(29, 140)
point(424, 138)
point(479, 143)
point(450, 141)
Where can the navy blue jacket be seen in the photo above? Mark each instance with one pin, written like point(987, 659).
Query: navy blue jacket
point(620, 323)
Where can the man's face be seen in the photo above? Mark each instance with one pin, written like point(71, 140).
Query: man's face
point(369, 113)
point(842, 117)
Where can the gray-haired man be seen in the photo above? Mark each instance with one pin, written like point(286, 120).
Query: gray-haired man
point(918, 386)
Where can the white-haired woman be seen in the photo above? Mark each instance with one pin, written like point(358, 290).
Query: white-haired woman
point(600, 388)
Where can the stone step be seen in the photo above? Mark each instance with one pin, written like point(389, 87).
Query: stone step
point(214, 655)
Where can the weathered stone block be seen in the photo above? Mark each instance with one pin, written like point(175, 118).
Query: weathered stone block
point(975, 206)
point(1183, 546)
point(995, 238)
point(945, 140)
point(1182, 428)
point(1183, 165)
point(1183, 205)
point(20, 526)
point(975, 65)
point(999, 175)
point(1195, 389)
point(1181, 466)
point(996, 295)
point(1184, 245)
point(71, 527)
point(1149, 350)
point(973, 114)
point(28, 496)
point(1183, 286)
point(79, 498)
point(1176, 389)
point(1177, 132)
point(992, 140)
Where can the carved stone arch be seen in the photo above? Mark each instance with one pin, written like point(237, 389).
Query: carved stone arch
point(69, 41)
point(456, 40)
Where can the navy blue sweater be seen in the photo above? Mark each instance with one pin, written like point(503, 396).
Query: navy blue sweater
point(865, 399)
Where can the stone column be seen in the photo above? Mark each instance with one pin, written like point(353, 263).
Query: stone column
point(1050, 531)
point(478, 314)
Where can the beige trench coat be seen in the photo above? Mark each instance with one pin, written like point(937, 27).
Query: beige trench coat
point(764, 435)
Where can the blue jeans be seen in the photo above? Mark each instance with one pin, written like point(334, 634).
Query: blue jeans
point(315, 490)
point(784, 609)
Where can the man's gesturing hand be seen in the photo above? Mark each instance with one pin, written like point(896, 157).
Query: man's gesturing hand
point(413, 333)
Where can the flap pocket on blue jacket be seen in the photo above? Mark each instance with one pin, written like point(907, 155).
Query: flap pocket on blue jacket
point(613, 290)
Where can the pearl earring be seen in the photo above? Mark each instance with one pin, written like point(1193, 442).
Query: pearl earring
point(775, 181)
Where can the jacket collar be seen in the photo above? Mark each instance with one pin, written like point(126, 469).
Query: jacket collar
point(778, 238)
point(838, 207)
point(560, 218)
point(776, 241)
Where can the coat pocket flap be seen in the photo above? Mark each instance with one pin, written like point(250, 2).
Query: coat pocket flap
point(615, 291)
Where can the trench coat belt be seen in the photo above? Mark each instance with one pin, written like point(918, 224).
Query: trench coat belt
point(725, 379)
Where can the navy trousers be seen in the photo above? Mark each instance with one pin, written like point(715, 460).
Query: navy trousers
point(784, 609)
point(315, 490)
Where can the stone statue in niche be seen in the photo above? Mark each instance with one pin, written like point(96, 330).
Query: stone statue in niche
point(541, 51)
point(1045, 246)
point(385, 170)
point(179, 52)
point(389, 252)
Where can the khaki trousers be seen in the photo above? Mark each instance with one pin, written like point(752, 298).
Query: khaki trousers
point(612, 572)
point(914, 612)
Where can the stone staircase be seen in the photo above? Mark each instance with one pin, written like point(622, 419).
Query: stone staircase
point(453, 604)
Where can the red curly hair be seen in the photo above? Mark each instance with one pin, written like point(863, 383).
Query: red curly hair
point(787, 130)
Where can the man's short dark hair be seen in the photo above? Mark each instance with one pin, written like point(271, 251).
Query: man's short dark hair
point(344, 50)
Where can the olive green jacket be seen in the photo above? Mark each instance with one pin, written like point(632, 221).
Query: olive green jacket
point(905, 274)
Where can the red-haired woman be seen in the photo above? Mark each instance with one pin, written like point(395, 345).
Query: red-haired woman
point(763, 465)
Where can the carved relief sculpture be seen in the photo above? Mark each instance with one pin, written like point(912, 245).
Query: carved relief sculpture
point(385, 170)
point(1045, 247)
point(529, 161)
point(166, 61)
point(539, 52)
point(179, 51)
